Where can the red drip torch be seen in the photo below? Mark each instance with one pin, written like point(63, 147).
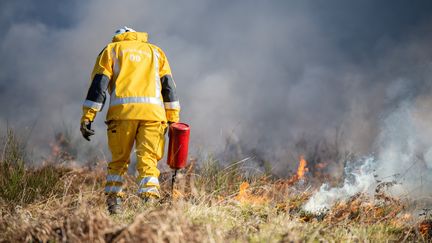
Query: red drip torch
point(178, 148)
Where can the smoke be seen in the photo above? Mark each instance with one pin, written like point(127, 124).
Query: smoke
point(360, 178)
point(260, 74)
point(404, 149)
point(403, 157)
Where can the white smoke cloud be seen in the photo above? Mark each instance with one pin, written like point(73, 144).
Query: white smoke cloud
point(358, 179)
point(403, 156)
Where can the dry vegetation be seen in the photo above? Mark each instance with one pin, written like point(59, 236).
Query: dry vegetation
point(211, 203)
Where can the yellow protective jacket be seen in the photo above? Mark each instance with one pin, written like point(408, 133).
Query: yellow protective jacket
point(138, 78)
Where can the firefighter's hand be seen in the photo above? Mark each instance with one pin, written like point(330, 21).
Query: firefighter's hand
point(86, 130)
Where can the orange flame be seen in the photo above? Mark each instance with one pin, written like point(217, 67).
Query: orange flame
point(242, 191)
point(245, 197)
point(300, 175)
point(177, 194)
point(302, 169)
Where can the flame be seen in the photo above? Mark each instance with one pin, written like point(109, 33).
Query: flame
point(242, 191)
point(299, 176)
point(176, 194)
point(302, 169)
point(246, 197)
point(425, 228)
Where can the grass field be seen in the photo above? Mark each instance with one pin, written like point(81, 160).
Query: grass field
point(211, 203)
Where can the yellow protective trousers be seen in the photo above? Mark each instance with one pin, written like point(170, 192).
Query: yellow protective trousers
point(149, 139)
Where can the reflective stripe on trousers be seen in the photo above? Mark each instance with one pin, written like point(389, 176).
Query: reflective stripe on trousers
point(151, 190)
point(113, 189)
point(149, 140)
point(149, 185)
point(114, 178)
point(149, 180)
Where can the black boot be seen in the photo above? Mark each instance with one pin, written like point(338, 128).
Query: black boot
point(114, 205)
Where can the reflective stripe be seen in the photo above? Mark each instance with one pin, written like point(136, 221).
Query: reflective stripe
point(114, 100)
point(148, 189)
point(149, 179)
point(91, 104)
point(116, 67)
point(157, 77)
point(172, 105)
point(128, 100)
point(113, 189)
point(114, 178)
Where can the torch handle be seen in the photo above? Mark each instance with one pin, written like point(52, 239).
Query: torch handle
point(173, 182)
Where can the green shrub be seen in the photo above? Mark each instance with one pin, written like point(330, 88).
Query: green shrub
point(21, 185)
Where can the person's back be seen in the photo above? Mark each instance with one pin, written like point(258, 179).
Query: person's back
point(138, 78)
point(135, 70)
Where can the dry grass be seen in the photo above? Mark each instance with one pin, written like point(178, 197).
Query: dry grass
point(212, 204)
point(77, 214)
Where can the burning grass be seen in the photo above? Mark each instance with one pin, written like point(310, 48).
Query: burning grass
point(212, 203)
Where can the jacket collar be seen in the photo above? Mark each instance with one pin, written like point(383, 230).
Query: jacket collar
point(131, 36)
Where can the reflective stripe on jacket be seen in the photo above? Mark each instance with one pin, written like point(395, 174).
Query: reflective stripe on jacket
point(138, 78)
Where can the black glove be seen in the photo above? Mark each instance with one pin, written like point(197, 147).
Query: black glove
point(86, 130)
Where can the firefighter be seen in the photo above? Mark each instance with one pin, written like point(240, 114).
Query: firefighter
point(143, 102)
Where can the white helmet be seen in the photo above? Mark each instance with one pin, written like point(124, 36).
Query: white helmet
point(123, 30)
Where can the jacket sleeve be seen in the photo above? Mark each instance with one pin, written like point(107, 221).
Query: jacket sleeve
point(96, 95)
point(171, 101)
